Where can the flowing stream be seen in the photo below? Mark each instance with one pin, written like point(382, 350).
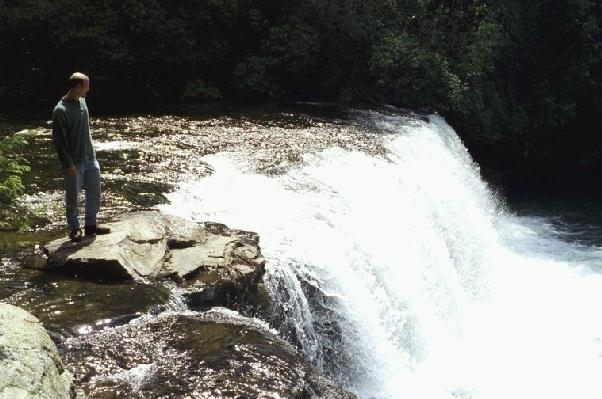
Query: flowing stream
point(392, 266)
point(402, 276)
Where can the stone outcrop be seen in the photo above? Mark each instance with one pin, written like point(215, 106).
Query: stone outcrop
point(146, 246)
point(225, 265)
point(210, 354)
point(30, 366)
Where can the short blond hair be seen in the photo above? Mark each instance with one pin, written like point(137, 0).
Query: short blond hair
point(76, 79)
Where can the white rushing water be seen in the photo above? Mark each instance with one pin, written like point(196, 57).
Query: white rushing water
point(402, 278)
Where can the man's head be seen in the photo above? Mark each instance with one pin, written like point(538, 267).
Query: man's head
point(78, 84)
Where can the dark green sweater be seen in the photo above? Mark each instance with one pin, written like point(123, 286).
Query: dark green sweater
point(71, 131)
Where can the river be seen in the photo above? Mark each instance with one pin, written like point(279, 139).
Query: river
point(396, 269)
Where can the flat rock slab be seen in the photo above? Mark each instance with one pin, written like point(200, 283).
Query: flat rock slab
point(30, 366)
point(146, 246)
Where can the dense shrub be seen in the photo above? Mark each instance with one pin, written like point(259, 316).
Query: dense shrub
point(12, 166)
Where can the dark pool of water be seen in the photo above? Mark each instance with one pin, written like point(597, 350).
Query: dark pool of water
point(574, 219)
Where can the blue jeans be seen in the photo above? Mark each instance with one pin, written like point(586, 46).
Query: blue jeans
point(88, 175)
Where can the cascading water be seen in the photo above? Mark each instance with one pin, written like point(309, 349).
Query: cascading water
point(401, 277)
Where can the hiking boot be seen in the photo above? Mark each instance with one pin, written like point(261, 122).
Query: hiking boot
point(76, 235)
point(95, 230)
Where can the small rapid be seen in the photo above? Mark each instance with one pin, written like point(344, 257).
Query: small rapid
point(401, 275)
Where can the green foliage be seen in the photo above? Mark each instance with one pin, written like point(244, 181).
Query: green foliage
point(545, 81)
point(12, 166)
point(253, 78)
point(409, 73)
point(200, 90)
point(10, 189)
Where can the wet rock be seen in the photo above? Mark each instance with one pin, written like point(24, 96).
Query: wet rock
point(212, 354)
point(221, 266)
point(70, 306)
point(138, 193)
point(30, 366)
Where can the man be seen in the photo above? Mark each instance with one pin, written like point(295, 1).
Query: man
point(73, 142)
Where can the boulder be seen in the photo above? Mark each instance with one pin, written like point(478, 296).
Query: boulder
point(221, 266)
point(30, 366)
point(215, 354)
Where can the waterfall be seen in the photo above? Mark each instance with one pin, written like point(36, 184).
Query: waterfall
point(401, 276)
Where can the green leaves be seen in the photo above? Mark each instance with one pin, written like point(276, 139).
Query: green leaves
point(253, 79)
point(200, 90)
point(12, 165)
point(407, 71)
point(10, 189)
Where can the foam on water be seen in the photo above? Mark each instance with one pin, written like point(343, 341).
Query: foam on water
point(136, 377)
point(401, 277)
point(114, 145)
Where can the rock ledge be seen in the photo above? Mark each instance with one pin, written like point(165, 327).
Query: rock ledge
point(225, 264)
point(147, 245)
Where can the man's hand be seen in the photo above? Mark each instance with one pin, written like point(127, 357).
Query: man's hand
point(71, 171)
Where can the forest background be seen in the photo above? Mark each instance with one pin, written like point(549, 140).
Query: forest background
point(520, 81)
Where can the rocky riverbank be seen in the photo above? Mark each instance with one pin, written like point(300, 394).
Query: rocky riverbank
point(200, 347)
point(153, 267)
